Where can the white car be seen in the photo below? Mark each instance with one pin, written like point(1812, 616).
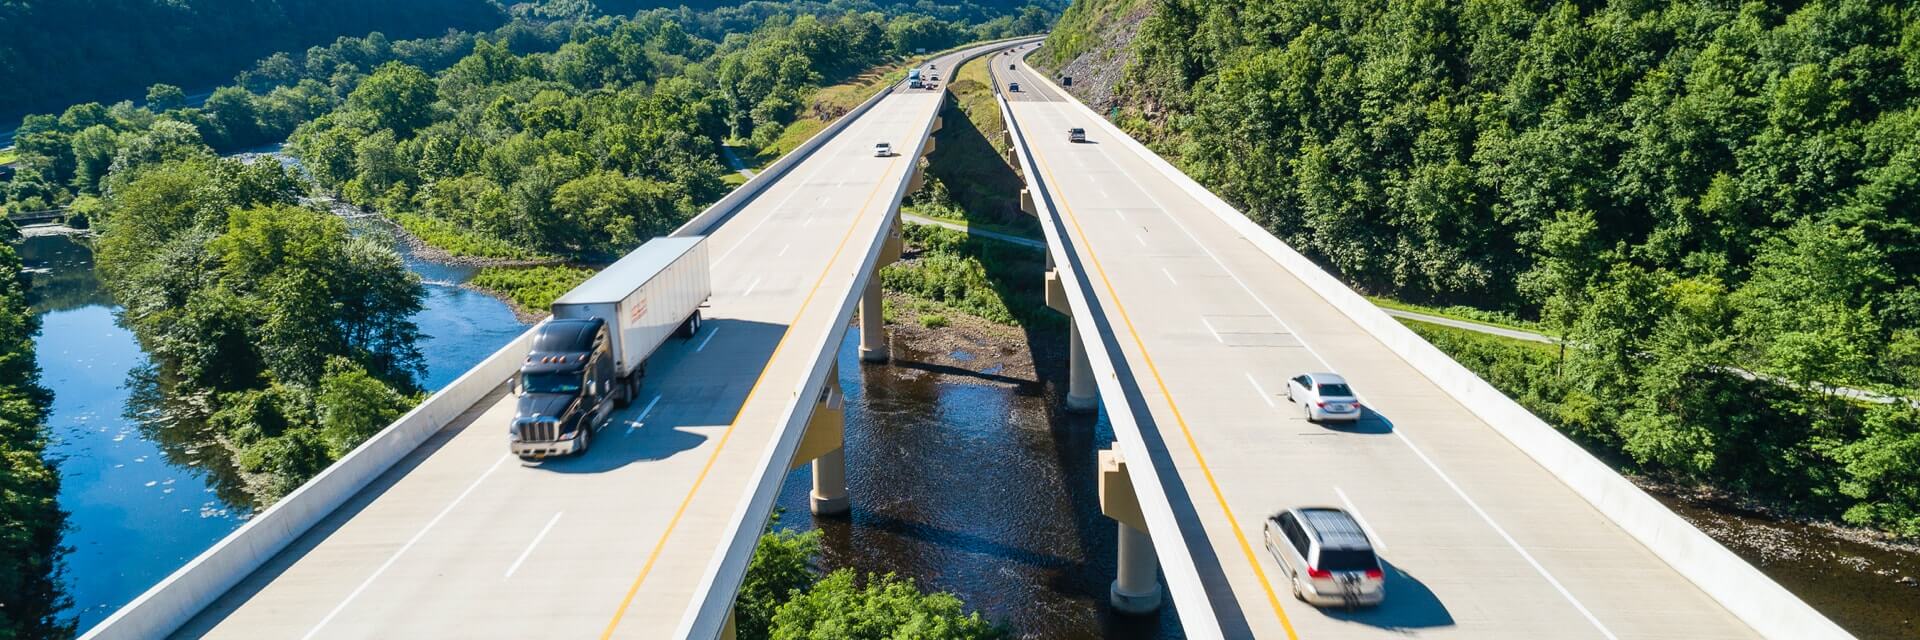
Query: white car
point(1324, 396)
point(882, 150)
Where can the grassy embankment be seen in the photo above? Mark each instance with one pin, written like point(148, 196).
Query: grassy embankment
point(969, 180)
point(1463, 314)
point(827, 104)
point(947, 272)
point(7, 156)
point(463, 243)
point(531, 290)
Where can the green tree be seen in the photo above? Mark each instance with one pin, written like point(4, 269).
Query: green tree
point(165, 97)
point(780, 570)
point(353, 405)
point(400, 97)
point(885, 608)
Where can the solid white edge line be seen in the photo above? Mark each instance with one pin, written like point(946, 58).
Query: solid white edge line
point(403, 549)
point(709, 338)
point(533, 545)
point(1503, 535)
point(1537, 567)
point(1262, 391)
point(1378, 542)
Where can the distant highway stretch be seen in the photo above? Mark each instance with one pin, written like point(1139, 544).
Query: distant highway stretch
point(1478, 539)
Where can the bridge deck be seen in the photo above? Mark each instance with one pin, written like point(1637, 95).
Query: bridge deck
point(462, 540)
point(1480, 541)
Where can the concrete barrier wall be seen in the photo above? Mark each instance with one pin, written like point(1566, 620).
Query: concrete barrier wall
point(1184, 585)
point(194, 587)
point(707, 616)
point(1746, 592)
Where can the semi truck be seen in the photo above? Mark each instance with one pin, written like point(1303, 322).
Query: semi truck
point(913, 79)
point(589, 357)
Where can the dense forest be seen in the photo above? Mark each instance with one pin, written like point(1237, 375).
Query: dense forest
point(585, 151)
point(30, 517)
point(59, 52)
point(1690, 192)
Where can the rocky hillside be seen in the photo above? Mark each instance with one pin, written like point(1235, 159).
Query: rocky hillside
point(1091, 44)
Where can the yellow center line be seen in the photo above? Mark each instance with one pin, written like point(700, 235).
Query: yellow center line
point(654, 556)
point(1185, 432)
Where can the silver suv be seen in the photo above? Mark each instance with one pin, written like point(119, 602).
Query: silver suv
point(1327, 557)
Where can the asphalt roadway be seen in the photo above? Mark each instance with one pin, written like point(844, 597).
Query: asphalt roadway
point(461, 540)
point(1479, 541)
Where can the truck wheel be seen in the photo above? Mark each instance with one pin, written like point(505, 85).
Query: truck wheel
point(691, 327)
point(586, 440)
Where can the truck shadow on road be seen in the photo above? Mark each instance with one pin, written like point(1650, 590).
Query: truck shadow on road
point(616, 447)
point(690, 393)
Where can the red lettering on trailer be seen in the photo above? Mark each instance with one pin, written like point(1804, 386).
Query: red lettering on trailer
point(639, 311)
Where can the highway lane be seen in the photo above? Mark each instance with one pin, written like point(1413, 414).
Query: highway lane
point(461, 540)
point(1480, 541)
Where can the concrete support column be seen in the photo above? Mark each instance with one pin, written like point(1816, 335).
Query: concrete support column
point(873, 324)
point(824, 445)
point(1083, 395)
point(830, 484)
point(1137, 587)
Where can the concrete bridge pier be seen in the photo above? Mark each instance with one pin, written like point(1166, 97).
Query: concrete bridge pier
point(824, 446)
point(873, 323)
point(1082, 394)
point(1136, 585)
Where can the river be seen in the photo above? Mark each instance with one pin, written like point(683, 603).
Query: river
point(145, 493)
point(967, 478)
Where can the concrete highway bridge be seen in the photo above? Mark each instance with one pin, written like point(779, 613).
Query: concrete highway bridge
point(1187, 321)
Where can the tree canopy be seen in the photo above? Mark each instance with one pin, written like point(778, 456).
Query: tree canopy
point(1684, 189)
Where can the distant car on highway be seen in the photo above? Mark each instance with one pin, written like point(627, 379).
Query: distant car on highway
point(1324, 396)
point(882, 150)
point(1327, 557)
point(1013, 86)
point(1009, 66)
point(1076, 134)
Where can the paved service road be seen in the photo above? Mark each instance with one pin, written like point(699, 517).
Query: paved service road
point(463, 541)
point(1479, 540)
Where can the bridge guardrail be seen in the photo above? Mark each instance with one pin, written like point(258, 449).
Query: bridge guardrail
point(166, 606)
point(1746, 592)
point(1184, 584)
point(706, 617)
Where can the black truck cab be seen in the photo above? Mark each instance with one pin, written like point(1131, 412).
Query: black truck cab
point(567, 388)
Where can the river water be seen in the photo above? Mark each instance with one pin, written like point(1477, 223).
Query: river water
point(968, 479)
point(144, 493)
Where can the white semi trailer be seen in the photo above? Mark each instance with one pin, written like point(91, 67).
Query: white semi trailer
point(589, 357)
